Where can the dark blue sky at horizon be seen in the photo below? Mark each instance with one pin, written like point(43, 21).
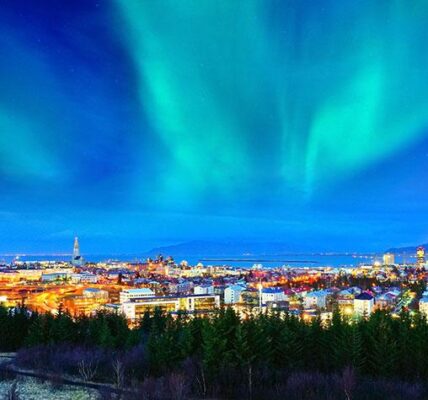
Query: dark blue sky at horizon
point(137, 124)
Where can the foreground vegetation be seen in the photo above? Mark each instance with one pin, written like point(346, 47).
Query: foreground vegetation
point(22, 388)
point(264, 356)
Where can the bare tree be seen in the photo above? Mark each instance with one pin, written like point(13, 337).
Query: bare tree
point(348, 381)
point(118, 373)
point(88, 369)
point(201, 381)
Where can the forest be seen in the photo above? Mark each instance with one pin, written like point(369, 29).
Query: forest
point(225, 356)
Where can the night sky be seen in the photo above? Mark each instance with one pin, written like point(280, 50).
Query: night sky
point(143, 123)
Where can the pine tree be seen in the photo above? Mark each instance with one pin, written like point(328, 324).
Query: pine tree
point(382, 345)
point(214, 347)
point(35, 334)
point(104, 337)
point(244, 352)
point(356, 357)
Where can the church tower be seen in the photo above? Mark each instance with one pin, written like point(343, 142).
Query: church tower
point(77, 259)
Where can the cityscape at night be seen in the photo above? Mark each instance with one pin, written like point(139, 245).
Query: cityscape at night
point(213, 200)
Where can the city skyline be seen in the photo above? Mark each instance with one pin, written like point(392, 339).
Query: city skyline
point(136, 125)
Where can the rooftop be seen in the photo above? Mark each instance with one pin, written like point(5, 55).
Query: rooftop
point(236, 287)
point(364, 296)
point(272, 290)
point(141, 291)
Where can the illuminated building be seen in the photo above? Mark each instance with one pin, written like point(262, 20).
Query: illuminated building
point(420, 255)
point(232, 294)
point(180, 287)
point(85, 277)
point(199, 304)
point(134, 294)
point(31, 274)
point(203, 289)
point(423, 306)
point(363, 304)
point(388, 259)
point(76, 259)
point(95, 293)
point(316, 299)
point(55, 276)
point(84, 304)
point(272, 295)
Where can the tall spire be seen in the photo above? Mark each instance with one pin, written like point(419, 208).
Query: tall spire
point(77, 259)
point(76, 248)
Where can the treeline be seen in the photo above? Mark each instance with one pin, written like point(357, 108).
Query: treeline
point(227, 356)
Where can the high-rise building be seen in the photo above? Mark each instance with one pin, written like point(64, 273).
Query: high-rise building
point(420, 255)
point(388, 259)
point(76, 259)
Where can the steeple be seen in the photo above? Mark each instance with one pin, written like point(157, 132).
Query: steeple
point(76, 249)
point(77, 259)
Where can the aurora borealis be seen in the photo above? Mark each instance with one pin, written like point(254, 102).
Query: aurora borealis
point(142, 123)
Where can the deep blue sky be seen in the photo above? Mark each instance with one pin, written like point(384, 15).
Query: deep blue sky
point(136, 124)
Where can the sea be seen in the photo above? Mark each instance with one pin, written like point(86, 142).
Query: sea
point(312, 260)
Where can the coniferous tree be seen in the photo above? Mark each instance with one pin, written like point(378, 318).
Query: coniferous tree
point(35, 334)
point(356, 357)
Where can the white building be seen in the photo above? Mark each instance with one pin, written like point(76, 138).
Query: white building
point(132, 294)
point(423, 306)
point(363, 304)
point(95, 293)
point(84, 277)
point(316, 299)
point(232, 294)
point(203, 289)
point(272, 294)
point(180, 287)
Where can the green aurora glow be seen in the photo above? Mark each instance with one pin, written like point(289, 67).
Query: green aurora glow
point(233, 87)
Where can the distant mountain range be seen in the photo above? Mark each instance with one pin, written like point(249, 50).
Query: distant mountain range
point(408, 249)
point(207, 248)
